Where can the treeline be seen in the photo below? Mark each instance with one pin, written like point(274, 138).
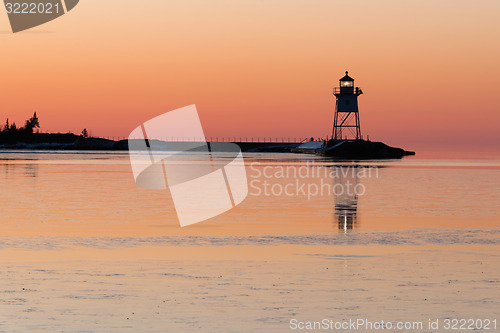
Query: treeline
point(11, 134)
point(29, 127)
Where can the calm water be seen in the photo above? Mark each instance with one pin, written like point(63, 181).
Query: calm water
point(82, 246)
point(94, 194)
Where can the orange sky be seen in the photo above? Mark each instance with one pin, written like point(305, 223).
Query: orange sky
point(429, 69)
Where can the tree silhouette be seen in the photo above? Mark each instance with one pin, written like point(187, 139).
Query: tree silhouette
point(32, 123)
point(85, 134)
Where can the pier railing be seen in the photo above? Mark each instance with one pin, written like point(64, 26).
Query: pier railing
point(236, 139)
point(221, 139)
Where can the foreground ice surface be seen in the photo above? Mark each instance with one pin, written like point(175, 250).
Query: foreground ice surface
point(243, 288)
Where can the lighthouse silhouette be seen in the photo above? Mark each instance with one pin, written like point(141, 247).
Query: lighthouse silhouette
point(346, 119)
point(347, 141)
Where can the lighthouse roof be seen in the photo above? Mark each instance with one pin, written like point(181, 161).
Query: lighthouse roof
point(347, 77)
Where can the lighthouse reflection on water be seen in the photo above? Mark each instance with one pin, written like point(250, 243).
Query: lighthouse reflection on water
point(346, 202)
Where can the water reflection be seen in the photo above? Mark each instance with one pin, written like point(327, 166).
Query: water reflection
point(346, 197)
point(5, 170)
point(31, 170)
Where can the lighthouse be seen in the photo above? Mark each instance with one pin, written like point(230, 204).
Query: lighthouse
point(346, 141)
point(346, 119)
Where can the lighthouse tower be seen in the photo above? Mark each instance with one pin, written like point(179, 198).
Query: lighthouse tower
point(346, 119)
